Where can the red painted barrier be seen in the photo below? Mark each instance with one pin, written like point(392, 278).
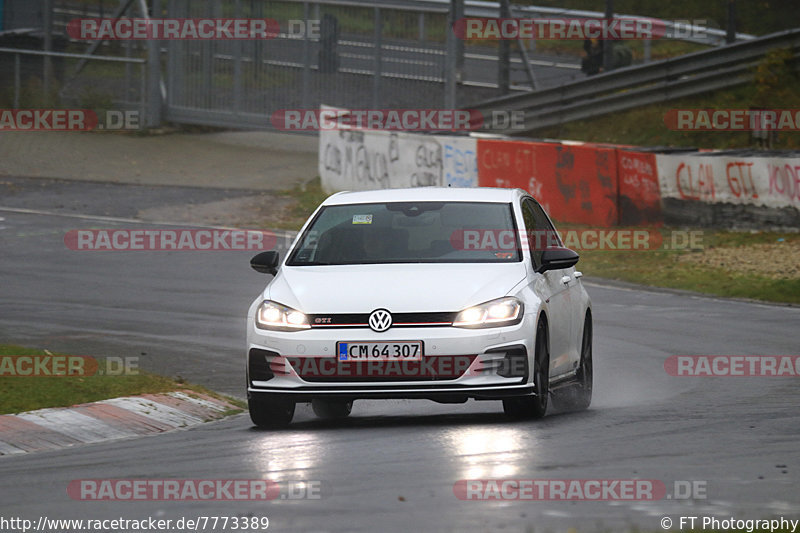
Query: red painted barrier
point(639, 193)
point(573, 183)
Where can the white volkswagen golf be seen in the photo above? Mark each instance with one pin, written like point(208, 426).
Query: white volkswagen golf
point(432, 293)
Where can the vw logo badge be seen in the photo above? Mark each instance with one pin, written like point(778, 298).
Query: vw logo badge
point(380, 320)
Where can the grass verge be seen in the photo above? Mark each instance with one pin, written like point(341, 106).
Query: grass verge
point(729, 264)
point(23, 393)
point(303, 200)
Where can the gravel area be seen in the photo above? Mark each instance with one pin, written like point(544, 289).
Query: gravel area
point(780, 260)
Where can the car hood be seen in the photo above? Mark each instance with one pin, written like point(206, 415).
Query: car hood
point(400, 288)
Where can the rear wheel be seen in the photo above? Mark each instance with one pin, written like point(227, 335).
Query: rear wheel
point(529, 407)
point(578, 396)
point(332, 409)
point(271, 412)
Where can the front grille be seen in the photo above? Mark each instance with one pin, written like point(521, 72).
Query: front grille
point(330, 370)
point(399, 320)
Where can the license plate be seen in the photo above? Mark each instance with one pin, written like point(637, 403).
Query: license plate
point(379, 351)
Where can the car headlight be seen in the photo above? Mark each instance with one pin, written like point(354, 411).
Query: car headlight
point(501, 312)
point(275, 316)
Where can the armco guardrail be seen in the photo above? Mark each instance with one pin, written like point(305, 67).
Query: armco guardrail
point(651, 83)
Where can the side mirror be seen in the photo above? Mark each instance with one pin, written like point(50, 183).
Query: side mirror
point(557, 258)
point(266, 262)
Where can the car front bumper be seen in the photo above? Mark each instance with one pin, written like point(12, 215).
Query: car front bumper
point(483, 364)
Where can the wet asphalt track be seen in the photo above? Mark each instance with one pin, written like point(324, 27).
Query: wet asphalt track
point(392, 465)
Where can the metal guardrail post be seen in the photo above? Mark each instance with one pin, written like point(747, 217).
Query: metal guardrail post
point(730, 30)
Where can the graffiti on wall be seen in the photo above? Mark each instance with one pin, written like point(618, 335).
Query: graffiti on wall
point(574, 183)
point(762, 181)
point(360, 160)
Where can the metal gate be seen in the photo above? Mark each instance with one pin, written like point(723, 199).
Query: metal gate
point(354, 55)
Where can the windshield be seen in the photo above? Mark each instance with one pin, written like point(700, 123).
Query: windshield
point(406, 232)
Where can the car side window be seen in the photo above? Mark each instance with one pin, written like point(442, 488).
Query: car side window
point(529, 218)
point(543, 223)
point(539, 230)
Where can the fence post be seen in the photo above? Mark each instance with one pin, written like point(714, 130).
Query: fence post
point(450, 59)
point(128, 69)
point(142, 93)
point(608, 45)
point(459, 13)
point(47, 74)
point(17, 80)
point(237, 64)
point(306, 56)
point(504, 54)
point(154, 102)
point(376, 82)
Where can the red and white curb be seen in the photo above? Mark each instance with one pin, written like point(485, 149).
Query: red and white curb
point(119, 418)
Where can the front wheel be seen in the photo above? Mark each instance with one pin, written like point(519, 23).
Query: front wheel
point(578, 396)
point(271, 412)
point(531, 407)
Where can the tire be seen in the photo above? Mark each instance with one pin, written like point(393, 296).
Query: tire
point(578, 396)
point(272, 412)
point(332, 409)
point(535, 406)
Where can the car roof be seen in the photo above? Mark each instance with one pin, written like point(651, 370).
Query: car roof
point(427, 194)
